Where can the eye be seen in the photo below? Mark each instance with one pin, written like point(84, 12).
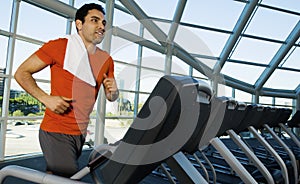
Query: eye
point(94, 20)
point(104, 22)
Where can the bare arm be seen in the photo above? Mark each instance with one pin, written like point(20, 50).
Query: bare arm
point(25, 79)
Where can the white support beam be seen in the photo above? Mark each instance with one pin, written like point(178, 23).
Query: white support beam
point(237, 31)
point(55, 6)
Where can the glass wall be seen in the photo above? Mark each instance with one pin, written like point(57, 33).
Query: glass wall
point(137, 68)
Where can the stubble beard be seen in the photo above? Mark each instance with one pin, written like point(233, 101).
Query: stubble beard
point(97, 41)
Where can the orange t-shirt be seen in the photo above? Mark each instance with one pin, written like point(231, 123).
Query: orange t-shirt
point(63, 83)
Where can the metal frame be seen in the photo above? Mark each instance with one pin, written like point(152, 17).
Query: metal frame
point(59, 8)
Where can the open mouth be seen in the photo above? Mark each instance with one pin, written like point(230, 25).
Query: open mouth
point(100, 33)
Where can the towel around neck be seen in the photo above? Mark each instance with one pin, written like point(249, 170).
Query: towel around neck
point(77, 60)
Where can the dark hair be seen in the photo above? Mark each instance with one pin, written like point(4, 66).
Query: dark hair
point(83, 11)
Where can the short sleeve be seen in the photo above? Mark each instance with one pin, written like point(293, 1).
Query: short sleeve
point(52, 51)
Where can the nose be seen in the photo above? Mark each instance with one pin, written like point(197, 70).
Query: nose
point(102, 25)
point(101, 28)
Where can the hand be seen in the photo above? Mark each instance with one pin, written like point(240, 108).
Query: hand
point(111, 89)
point(58, 104)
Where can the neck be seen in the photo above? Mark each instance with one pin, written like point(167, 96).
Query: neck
point(91, 48)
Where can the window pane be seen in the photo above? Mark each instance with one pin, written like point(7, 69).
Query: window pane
point(125, 76)
point(263, 17)
point(256, 51)
point(152, 10)
point(283, 102)
point(224, 90)
point(115, 129)
point(124, 50)
point(125, 20)
point(243, 96)
point(208, 62)
point(26, 113)
point(123, 106)
point(143, 98)
point(179, 67)
point(22, 137)
point(204, 13)
point(293, 60)
point(40, 24)
point(5, 14)
point(293, 5)
point(3, 51)
point(65, 1)
point(22, 51)
point(266, 100)
point(79, 3)
point(200, 41)
point(25, 103)
point(282, 79)
point(197, 74)
point(153, 59)
point(149, 79)
point(246, 73)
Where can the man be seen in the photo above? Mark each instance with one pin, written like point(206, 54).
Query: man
point(78, 69)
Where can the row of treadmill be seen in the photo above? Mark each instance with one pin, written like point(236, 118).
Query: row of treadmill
point(184, 134)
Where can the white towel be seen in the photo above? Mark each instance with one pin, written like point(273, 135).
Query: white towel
point(77, 60)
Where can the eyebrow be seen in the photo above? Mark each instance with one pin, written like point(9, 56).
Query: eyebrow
point(95, 17)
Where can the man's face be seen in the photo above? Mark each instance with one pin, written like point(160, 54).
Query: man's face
point(92, 30)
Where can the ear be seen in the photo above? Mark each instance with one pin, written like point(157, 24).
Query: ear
point(78, 24)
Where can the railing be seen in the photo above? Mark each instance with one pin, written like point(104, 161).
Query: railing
point(34, 175)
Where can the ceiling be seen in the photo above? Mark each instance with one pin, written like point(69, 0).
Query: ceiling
point(249, 45)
